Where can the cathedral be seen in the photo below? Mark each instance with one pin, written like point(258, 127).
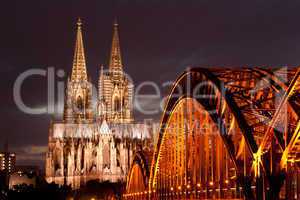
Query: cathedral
point(96, 142)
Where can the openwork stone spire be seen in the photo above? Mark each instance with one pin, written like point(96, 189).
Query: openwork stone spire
point(115, 63)
point(79, 65)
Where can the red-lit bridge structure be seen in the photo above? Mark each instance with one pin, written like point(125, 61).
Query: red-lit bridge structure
point(225, 133)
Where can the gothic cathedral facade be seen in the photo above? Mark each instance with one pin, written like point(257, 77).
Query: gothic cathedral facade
point(96, 142)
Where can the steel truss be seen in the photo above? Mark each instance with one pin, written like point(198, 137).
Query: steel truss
point(228, 133)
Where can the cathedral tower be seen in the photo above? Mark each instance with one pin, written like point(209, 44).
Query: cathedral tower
point(84, 146)
point(115, 61)
point(115, 89)
point(78, 105)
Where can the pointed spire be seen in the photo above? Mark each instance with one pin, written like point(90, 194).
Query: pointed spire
point(79, 65)
point(116, 22)
point(115, 62)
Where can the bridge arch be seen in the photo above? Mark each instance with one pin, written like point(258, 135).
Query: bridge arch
point(138, 176)
point(217, 120)
point(244, 97)
point(192, 156)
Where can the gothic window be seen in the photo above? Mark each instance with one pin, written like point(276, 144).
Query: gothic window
point(56, 158)
point(106, 156)
point(79, 103)
point(117, 104)
point(82, 158)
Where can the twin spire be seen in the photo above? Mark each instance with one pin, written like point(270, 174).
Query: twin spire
point(115, 62)
point(79, 72)
point(79, 65)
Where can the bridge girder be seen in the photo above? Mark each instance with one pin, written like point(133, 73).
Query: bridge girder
point(245, 98)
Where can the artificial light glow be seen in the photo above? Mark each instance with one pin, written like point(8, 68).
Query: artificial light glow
point(256, 163)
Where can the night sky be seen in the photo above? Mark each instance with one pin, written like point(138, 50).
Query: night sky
point(158, 41)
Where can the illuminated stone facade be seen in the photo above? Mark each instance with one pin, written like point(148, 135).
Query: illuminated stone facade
point(96, 143)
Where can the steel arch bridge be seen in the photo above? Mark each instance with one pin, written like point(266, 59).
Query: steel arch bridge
point(226, 133)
